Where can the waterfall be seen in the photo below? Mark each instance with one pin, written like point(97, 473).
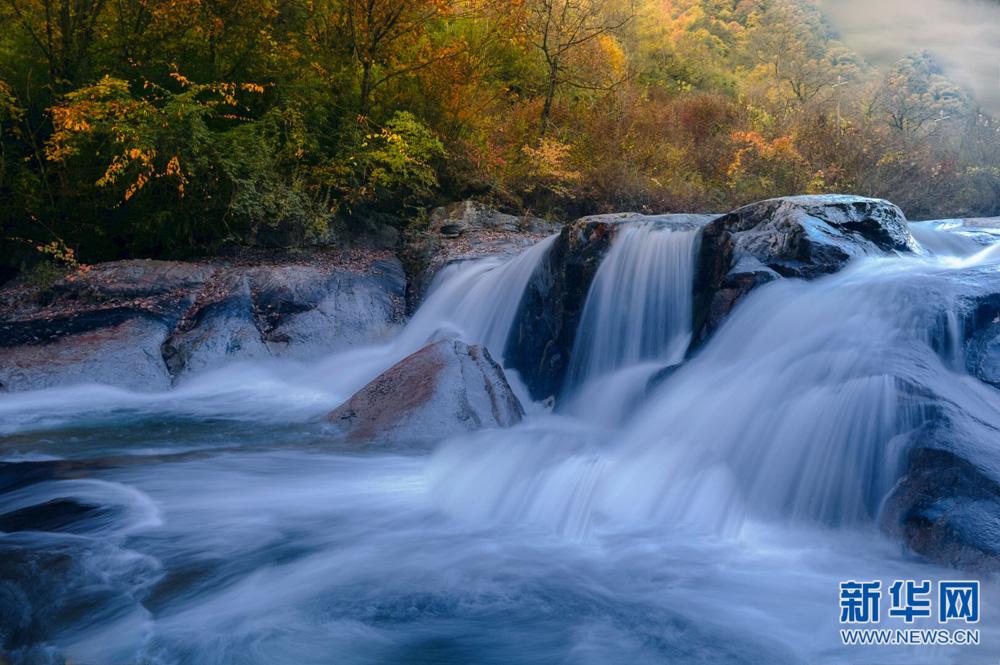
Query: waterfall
point(707, 520)
point(476, 300)
point(639, 305)
point(798, 409)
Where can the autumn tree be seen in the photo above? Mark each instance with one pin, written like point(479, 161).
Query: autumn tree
point(560, 29)
point(790, 39)
point(915, 94)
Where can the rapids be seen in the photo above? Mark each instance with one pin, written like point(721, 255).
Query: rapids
point(701, 514)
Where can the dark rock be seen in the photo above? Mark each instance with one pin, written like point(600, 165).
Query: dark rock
point(981, 327)
point(545, 327)
point(444, 389)
point(947, 510)
point(801, 236)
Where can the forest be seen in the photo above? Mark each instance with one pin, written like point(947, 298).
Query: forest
point(173, 128)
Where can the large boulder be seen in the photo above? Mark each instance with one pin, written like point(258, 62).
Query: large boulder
point(308, 310)
point(544, 330)
point(223, 329)
point(800, 236)
point(105, 324)
point(144, 325)
point(980, 324)
point(445, 388)
point(463, 231)
point(946, 505)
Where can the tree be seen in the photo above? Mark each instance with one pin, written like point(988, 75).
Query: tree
point(792, 41)
point(63, 31)
point(915, 93)
point(558, 29)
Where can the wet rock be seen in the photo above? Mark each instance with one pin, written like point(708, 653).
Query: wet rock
point(946, 509)
point(802, 236)
point(125, 354)
point(306, 312)
point(215, 333)
point(142, 325)
point(444, 389)
point(981, 326)
point(545, 328)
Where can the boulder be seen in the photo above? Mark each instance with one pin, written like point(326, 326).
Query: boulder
point(946, 506)
point(444, 389)
point(143, 325)
point(980, 323)
point(216, 332)
point(800, 236)
point(545, 327)
point(306, 311)
point(122, 353)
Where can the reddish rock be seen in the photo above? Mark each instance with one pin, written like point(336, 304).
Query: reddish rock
point(443, 389)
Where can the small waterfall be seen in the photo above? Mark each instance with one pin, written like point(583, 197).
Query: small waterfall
point(798, 409)
point(639, 306)
point(476, 300)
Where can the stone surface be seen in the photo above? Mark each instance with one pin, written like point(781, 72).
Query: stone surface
point(946, 506)
point(143, 325)
point(545, 327)
point(220, 331)
point(443, 389)
point(801, 236)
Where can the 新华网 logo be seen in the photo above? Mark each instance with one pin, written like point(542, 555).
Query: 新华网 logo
point(953, 603)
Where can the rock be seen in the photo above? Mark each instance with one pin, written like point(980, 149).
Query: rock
point(125, 354)
point(545, 328)
point(462, 231)
point(465, 217)
point(443, 389)
point(143, 325)
point(946, 507)
point(307, 312)
point(218, 332)
point(133, 279)
point(800, 236)
point(980, 323)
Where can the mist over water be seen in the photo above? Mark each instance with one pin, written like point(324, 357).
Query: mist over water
point(706, 516)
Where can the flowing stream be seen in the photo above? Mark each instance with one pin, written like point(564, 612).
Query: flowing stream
point(699, 515)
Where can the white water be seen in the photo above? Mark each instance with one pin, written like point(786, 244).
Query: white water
point(639, 305)
point(709, 522)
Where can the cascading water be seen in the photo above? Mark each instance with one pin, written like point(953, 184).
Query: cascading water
point(639, 306)
point(709, 522)
point(476, 300)
point(636, 319)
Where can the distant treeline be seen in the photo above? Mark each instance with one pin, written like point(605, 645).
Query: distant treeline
point(172, 127)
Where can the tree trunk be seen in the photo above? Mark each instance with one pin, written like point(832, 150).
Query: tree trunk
point(550, 95)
